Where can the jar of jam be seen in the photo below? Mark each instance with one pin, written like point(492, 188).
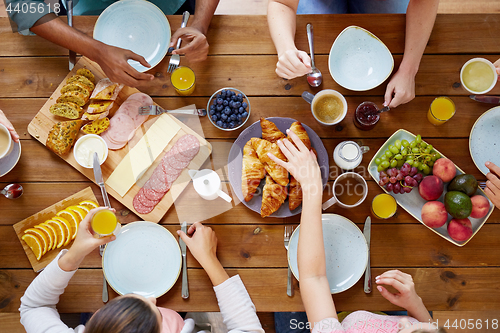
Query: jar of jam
point(366, 116)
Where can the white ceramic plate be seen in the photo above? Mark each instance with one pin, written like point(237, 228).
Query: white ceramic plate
point(484, 141)
point(358, 60)
point(346, 252)
point(10, 161)
point(412, 202)
point(144, 259)
point(136, 25)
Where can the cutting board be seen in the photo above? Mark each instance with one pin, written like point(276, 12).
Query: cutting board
point(42, 123)
point(44, 215)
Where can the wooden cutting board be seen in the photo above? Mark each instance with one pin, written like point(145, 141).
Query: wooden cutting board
point(42, 123)
point(44, 215)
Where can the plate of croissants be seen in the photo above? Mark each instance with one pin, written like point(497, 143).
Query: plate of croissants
point(260, 183)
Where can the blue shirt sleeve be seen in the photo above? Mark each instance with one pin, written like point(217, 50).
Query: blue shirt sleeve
point(25, 13)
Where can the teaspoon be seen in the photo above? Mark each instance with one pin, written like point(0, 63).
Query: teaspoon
point(315, 77)
point(12, 191)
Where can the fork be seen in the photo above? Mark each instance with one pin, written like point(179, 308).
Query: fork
point(482, 185)
point(104, 284)
point(289, 286)
point(175, 59)
point(154, 110)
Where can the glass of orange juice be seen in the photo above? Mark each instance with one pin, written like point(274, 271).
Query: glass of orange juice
point(384, 206)
point(441, 110)
point(104, 223)
point(183, 80)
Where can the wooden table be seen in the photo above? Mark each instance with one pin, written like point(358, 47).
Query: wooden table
point(242, 55)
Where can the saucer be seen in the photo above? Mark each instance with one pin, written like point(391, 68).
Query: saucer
point(9, 162)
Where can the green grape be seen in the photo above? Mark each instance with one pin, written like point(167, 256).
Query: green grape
point(426, 169)
point(438, 156)
point(377, 161)
point(427, 159)
point(394, 150)
point(430, 147)
point(420, 167)
point(388, 154)
point(385, 164)
point(400, 164)
point(405, 143)
point(415, 164)
point(413, 144)
point(398, 157)
point(410, 162)
point(418, 139)
point(427, 151)
point(380, 168)
point(394, 163)
point(383, 158)
point(404, 152)
point(423, 144)
point(397, 144)
point(430, 163)
point(415, 150)
point(390, 147)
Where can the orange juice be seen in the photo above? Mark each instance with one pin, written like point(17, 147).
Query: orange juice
point(441, 110)
point(104, 222)
point(183, 80)
point(384, 206)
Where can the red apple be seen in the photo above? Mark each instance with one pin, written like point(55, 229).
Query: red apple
point(444, 169)
point(434, 214)
point(460, 229)
point(480, 206)
point(431, 188)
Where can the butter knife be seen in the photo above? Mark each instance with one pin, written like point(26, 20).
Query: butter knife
point(72, 54)
point(368, 274)
point(486, 99)
point(185, 287)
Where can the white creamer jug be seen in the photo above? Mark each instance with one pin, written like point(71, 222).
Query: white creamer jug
point(207, 184)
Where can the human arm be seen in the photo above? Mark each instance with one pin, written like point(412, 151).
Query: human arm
point(420, 17)
point(497, 66)
point(314, 286)
point(281, 19)
point(406, 297)
point(492, 189)
point(196, 48)
point(4, 121)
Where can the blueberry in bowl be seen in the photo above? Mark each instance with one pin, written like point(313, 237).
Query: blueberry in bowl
point(228, 109)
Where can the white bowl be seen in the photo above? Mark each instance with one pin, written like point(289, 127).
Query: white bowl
point(358, 60)
point(493, 69)
point(78, 144)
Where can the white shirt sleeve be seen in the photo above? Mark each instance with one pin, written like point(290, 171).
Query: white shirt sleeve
point(38, 304)
point(236, 306)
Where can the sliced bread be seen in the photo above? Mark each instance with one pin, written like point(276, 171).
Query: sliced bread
point(66, 109)
point(88, 74)
point(62, 136)
point(106, 90)
point(99, 106)
point(97, 126)
point(77, 86)
point(74, 97)
point(82, 79)
point(95, 116)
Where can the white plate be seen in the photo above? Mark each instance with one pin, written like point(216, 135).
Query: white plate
point(346, 252)
point(144, 259)
point(412, 202)
point(484, 141)
point(135, 25)
point(10, 161)
point(358, 60)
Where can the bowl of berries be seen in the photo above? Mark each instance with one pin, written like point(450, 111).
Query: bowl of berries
point(228, 109)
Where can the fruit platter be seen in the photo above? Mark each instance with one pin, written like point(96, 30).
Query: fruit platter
point(430, 187)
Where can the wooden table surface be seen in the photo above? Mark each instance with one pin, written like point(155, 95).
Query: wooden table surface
point(242, 55)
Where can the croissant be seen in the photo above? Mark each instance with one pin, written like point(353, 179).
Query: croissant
point(273, 197)
point(298, 129)
point(252, 171)
point(270, 132)
point(277, 172)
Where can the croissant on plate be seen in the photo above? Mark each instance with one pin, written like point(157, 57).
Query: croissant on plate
point(270, 132)
point(277, 172)
point(252, 171)
point(273, 197)
point(298, 129)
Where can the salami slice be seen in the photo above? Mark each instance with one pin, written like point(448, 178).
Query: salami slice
point(140, 208)
point(175, 163)
point(189, 146)
point(152, 194)
point(141, 197)
point(175, 152)
point(158, 181)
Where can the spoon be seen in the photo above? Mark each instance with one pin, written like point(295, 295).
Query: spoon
point(315, 77)
point(384, 109)
point(12, 191)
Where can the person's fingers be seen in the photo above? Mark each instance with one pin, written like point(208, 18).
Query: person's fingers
point(177, 34)
point(105, 240)
point(139, 58)
point(278, 161)
point(392, 282)
point(388, 94)
point(304, 58)
point(284, 149)
point(14, 135)
point(493, 179)
point(490, 194)
point(298, 142)
point(387, 295)
point(184, 237)
point(298, 65)
point(291, 148)
point(494, 168)
point(397, 100)
point(284, 73)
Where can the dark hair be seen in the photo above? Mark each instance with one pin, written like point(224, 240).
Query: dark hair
point(124, 315)
point(439, 330)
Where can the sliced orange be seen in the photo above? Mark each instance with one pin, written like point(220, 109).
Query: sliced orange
point(48, 233)
point(85, 208)
point(79, 211)
point(53, 231)
point(68, 226)
point(34, 243)
point(61, 231)
point(41, 236)
point(89, 204)
point(71, 223)
point(68, 214)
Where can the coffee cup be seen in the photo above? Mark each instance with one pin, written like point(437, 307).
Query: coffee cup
point(349, 191)
point(6, 142)
point(478, 76)
point(328, 106)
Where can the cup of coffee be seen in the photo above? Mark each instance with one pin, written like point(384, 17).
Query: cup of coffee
point(6, 142)
point(349, 191)
point(478, 76)
point(328, 106)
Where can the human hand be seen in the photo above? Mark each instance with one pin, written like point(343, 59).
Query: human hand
point(113, 61)
point(4, 121)
point(202, 243)
point(196, 49)
point(400, 90)
point(497, 65)
point(407, 297)
point(492, 189)
point(292, 64)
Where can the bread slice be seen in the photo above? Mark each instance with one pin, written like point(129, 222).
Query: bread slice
point(88, 74)
point(99, 106)
point(106, 90)
point(67, 110)
point(77, 86)
point(97, 126)
point(62, 136)
point(73, 97)
point(95, 116)
point(82, 79)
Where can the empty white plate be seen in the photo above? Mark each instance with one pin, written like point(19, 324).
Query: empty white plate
point(484, 141)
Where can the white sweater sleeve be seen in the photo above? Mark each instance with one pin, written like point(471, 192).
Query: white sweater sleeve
point(236, 306)
point(38, 305)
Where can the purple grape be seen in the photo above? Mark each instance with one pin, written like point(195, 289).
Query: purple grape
point(413, 171)
point(381, 183)
point(418, 177)
point(382, 174)
point(400, 176)
point(390, 187)
point(385, 180)
point(407, 166)
point(393, 180)
point(404, 172)
point(408, 180)
point(407, 189)
point(402, 190)
point(394, 172)
point(397, 187)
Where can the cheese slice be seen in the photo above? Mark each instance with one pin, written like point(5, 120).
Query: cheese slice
point(143, 154)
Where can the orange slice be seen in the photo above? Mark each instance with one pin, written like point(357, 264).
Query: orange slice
point(79, 211)
point(48, 233)
point(34, 243)
point(89, 204)
point(85, 208)
point(53, 231)
point(68, 214)
point(41, 236)
point(68, 226)
point(61, 231)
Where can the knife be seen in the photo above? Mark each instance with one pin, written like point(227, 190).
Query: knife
point(72, 55)
point(99, 180)
point(185, 287)
point(368, 274)
point(486, 99)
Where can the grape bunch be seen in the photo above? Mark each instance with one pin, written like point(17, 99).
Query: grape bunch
point(228, 109)
point(417, 154)
point(402, 180)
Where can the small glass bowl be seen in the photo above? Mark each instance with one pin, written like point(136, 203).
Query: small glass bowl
point(78, 143)
point(214, 97)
